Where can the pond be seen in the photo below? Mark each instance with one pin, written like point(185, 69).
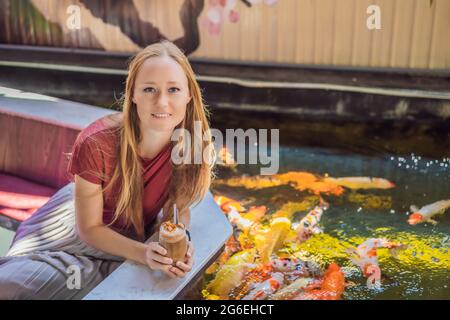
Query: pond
point(420, 270)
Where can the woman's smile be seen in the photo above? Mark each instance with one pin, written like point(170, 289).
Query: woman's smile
point(161, 115)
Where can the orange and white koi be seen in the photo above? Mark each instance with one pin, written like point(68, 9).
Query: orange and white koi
point(244, 220)
point(426, 213)
point(226, 204)
point(261, 291)
point(255, 213)
point(237, 220)
point(309, 224)
point(365, 257)
point(330, 287)
point(259, 273)
point(361, 182)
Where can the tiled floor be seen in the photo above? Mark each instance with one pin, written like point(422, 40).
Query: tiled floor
point(6, 237)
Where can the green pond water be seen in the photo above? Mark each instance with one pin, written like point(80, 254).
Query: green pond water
point(6, 237)
point(421, 271)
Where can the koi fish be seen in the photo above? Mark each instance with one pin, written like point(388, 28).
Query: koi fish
point(309, 224)
point(207, 296)
point(293, 289)
point(226, 204)
point(272, 239)
point(426, 213)
point(258, 274)
point(226, 159)
point(365, 257)
point(245, 220)
point(308, 181)
point(231, 247)
point(361, 182)
point(232, 272)
point(255, 213)
point(330, 287)
point(262, 290)
point(237, 220)
point(294, 267)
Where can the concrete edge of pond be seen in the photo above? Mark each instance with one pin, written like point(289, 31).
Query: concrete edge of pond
point(305, 91)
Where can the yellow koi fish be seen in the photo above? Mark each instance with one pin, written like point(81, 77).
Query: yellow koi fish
point(231, 273)
point(273, 239)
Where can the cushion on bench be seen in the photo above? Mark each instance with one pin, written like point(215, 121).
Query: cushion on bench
point(36, 133)
point(20, 198)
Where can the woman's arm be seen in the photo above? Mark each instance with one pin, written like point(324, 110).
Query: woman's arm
point(89, 222)
point(91, 229)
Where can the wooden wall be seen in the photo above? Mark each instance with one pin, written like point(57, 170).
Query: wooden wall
point(414, 33)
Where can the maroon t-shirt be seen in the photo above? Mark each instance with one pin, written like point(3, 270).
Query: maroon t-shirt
point(94, 149)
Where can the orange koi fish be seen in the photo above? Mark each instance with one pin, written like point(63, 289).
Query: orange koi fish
point(226, 204)
point(330, 287)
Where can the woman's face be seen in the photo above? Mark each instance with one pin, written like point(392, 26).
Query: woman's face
point(161, 94)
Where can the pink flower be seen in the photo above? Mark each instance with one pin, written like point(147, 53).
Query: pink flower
point(233, 16)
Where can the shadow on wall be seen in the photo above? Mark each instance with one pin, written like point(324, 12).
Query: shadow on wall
point(27, 25)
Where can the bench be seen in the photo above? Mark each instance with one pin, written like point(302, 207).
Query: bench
point(36, 132)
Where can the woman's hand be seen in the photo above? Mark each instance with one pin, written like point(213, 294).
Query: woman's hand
point(156, 259)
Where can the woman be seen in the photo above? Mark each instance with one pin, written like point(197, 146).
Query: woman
point(122, 177)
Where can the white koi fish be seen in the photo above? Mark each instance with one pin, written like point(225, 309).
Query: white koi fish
point(426, 213)
point(293, 289)
point(309, 224)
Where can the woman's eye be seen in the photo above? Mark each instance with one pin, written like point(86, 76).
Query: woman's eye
point(149, 89)
point(174, 89)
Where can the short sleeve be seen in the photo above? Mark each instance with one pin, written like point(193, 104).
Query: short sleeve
point(87, 160)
